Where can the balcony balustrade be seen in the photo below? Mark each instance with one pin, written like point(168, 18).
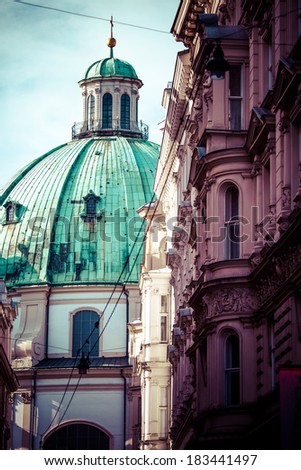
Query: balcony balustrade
point(114, 127)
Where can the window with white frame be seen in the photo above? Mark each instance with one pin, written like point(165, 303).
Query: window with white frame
point(232, 369)
point(125, 111)
point(163, 412)
point(107, 111)
point(235, 97)
point(12, 212)
point(91, 111)
point(136, 117)
point(85, 333)
point(164, 318)
point(91, 206)
point(90, 211)
point(232, 223)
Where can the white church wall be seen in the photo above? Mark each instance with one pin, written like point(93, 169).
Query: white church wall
point(97, 402)
point(113, 318)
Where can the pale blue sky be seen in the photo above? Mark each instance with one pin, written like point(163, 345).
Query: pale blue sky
point(44, 53)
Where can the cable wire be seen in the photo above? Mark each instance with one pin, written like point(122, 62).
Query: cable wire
point(45, 7)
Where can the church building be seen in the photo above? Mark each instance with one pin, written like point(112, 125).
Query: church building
point(70, 252)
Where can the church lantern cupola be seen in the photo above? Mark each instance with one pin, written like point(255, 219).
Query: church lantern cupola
point(110, 90)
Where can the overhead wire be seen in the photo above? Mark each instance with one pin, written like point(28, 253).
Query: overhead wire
point(69, 380)
point(60, 10)
point(99, 18)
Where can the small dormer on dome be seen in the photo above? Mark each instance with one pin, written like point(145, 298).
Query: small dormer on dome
point(110, 91)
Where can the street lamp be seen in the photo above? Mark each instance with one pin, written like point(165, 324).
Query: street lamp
point(83, 365)
point(216, 64)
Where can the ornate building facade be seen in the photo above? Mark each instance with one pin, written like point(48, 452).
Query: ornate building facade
point(228, 180)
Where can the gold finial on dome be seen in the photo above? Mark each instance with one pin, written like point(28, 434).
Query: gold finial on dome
point(111, 42)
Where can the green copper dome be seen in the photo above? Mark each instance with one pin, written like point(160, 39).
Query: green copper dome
point(111, 67)
point(70, 216)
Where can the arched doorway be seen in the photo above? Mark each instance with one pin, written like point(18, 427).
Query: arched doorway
point(77, 436)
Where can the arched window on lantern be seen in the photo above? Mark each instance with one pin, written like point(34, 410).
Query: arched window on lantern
point(107, 110)
point(125, 111)
point(91, 111)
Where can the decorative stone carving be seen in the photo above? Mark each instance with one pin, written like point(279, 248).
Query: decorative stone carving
point(257, 168)
point(223, 14)
point(286, 198)
point(173, 259)
point(230, 301)
point(280, 269)
point(297, 200)
point(193, 142)
point(199, 316)
point(270, 146)
point(208, 182)
point(184, 212)
point(198, 106)
point(188, 91)
point(272, 221)
point(207, 89)
point(284, 124)
point(197, 201)
point(187, 293)
point(10, 399)
point(26, 398)
point(258, 234)
point(180, 237)
point(247, 22)
point(255, 259)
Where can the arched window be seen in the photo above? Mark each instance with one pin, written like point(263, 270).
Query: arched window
point(232, 369)
point(137, 110)
point(85, 335)
point(231, 223)
point(107, 111)
point(78, 436)
point(125, 112)
point(91, 111)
